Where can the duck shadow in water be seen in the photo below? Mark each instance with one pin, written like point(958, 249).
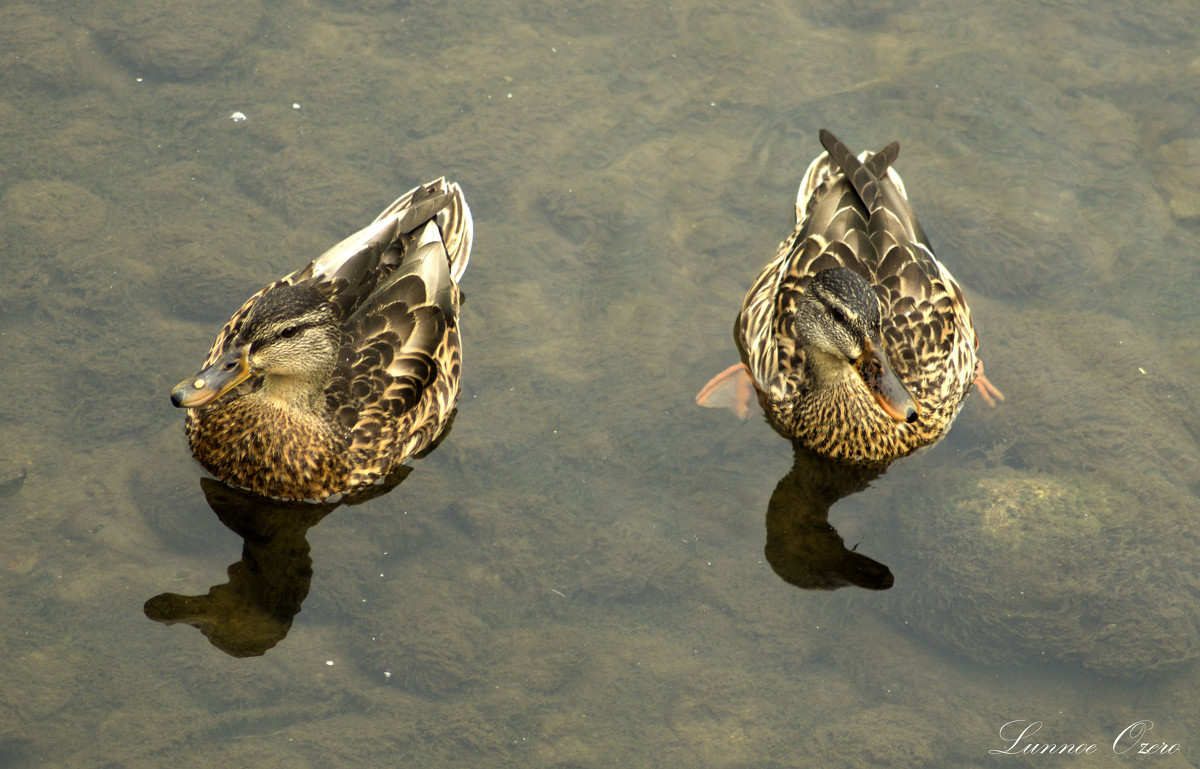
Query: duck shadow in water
point(253, 611)
point(802, 546)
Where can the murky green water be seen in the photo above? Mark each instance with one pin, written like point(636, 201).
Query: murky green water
point(576, 577)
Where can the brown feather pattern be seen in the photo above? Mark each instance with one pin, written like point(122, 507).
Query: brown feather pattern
point(853, 212)
point(394, 384)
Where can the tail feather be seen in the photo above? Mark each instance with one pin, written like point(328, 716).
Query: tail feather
point(442, 202)
point(864, 178)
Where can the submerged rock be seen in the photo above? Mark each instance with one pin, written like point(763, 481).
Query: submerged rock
point(1178, 178)
point(43, 51)
point(1010, 567)
point(176, 41)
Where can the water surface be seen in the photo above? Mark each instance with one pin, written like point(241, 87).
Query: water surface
point(576, 577)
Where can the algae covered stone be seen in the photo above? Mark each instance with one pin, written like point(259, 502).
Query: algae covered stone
point(1008, 567)
point(175, 41)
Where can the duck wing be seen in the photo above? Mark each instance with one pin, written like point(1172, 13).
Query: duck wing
point(397, 377)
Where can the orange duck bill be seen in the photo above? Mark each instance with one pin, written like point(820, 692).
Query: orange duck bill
point(229, 371)
point(890, 393)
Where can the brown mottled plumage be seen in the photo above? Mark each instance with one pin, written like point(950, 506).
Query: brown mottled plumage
point(859, 343)
point(326, 380)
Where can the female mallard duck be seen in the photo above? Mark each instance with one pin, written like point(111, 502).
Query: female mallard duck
point(326, 380)
point(857, 341)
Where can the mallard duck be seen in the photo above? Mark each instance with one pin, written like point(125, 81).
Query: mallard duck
point(856, 341)
point(327, 379)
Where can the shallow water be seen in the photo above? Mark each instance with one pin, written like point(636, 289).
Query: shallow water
point(576, 577)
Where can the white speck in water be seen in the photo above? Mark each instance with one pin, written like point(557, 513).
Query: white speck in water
point(239, 117)
point(329, 663)
point(295, 105)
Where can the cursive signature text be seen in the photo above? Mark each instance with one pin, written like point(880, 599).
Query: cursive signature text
point(1017, 736)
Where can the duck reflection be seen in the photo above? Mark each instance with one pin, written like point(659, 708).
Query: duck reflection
point(253, 611)
point(802, 546)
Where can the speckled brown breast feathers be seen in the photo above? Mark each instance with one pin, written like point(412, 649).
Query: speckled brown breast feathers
point(326, 392)
point(853, 212)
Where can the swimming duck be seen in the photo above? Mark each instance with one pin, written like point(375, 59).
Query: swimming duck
point(325, 381)
point(855, 341)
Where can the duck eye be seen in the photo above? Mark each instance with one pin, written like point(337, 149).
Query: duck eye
point(839, 317)
point(289, 332)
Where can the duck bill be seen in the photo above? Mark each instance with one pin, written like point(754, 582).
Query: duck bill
point(229, 371)
point(889, 392)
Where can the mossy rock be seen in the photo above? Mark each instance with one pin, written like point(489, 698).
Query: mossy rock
point(175, 41)
point(1008, 567)
point(42, 51)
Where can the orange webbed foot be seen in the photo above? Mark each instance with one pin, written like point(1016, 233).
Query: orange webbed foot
point(732, 389)
point(988, 391)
